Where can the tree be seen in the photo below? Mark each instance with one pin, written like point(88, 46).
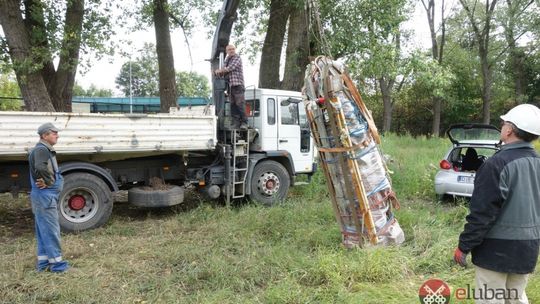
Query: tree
point(191, 84)
point(92, 91)
point(437, 50)
point(273, 44)
point(518, 18)
point(296, 54)
point(481, 26)
point(9, 93)
point(167, 80)
point(144, 74)
point(377, 53)
point(43, 31)
point(144, 77)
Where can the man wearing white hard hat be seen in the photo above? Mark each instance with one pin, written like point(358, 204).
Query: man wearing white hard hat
point(503, 227)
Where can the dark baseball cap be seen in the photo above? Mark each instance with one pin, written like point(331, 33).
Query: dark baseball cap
point(46, 127)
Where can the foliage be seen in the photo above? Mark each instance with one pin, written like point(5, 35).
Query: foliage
point(191, 84)
point(92, 91)
point(204, 252)
point(98, 28)
point(143, 71)
point(430, 77)
point(9, 93)
point(532, 73)
point(145, 78)
point(47, 39)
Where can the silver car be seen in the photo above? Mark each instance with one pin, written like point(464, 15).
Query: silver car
point(472, 144)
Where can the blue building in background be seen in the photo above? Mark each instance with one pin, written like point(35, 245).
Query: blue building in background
point(137, 104)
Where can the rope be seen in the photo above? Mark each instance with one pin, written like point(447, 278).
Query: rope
point(325, 46)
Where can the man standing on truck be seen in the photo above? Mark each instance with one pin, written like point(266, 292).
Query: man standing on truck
point(503, 226)
point(234, 73)
point(47, 183)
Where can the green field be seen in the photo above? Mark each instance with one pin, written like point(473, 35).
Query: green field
point(204, 252)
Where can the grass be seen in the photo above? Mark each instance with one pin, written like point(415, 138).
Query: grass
point(204, 252)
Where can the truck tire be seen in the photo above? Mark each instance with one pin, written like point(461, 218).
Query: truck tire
point(85, 202)
point(270, 183)
point(156, 198)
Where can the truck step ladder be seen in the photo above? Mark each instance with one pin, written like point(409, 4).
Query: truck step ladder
point(240, 162)
point(239, 142)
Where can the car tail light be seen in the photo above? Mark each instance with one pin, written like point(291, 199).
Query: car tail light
point(446, 165)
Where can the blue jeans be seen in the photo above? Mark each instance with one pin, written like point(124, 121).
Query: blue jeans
point(47, 228)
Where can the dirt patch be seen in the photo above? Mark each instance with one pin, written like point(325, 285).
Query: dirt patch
point(156, 183)
point(16, 218)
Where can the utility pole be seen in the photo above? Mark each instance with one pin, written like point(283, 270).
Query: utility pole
point(130, 92)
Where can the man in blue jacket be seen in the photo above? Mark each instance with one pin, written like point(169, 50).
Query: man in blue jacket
point(47, 183)
point(503, 227)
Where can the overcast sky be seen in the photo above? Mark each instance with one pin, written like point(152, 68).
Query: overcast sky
point(103, 72)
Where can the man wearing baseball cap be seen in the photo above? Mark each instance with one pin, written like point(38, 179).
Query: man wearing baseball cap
point(503, 227)
point(47, 183)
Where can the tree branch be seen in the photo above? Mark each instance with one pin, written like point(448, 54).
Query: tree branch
point(181, 25)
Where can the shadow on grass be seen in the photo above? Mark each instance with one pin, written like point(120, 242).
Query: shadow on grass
point(16, 218)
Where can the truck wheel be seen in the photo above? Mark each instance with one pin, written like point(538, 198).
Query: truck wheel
point(156, 198)
point(85, 202)
point(269, 183)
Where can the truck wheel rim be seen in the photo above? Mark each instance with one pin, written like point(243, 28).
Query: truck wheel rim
point(79, 205)
point(268, 183)
point(76, 202)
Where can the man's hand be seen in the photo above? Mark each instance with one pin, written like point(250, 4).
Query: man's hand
point(40, 183)
point(460, 258)
point(218, 72)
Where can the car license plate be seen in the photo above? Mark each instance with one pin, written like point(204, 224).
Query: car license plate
point(465, 179)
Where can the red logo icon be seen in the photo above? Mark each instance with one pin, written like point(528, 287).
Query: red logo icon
point(434, 291)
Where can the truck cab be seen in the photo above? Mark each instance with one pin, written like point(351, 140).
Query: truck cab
point(263, 161)
point(280, 121)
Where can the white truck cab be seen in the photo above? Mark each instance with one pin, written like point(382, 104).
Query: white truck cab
point(280, 121)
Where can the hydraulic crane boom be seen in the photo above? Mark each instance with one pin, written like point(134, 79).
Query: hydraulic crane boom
point(226, 19)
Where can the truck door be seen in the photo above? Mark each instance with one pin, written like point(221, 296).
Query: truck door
point(269, 124)
point(293, 133)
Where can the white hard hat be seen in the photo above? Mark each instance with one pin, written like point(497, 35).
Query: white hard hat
point(524, 116)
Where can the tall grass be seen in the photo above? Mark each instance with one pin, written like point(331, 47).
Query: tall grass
point(208, 253)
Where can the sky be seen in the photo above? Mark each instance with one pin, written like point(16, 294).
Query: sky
point(102, 73)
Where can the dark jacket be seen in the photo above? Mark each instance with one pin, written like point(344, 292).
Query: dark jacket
point(42, 161)
point(503, 226)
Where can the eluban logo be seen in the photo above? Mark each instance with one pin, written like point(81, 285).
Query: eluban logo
point(434, 291)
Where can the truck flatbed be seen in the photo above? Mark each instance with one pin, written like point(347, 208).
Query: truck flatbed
point(111, 136)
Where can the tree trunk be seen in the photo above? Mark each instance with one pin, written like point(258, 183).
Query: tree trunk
point(386, 92)
point(30, 82)
point(61, 89)
point(437, 53)
point(297, 49)
point(516, 55)
point(167, 81)
point(487, 84)
point(35, 26)
point(273, 43)
point(482, 38)
point(436, 126)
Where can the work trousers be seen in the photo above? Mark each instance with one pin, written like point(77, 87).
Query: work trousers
point(238, 105)
point(492, 283)
point(47, 228)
